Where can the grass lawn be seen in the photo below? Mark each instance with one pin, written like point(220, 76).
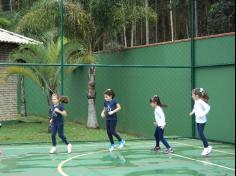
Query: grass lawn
point(34, 130)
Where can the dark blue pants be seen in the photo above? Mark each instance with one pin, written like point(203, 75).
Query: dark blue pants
point(111, 130)
point(159, 135)
point(200, 128)
point(60, 129)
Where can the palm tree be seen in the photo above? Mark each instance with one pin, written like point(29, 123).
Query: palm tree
point(47, 78)
point(78, 25)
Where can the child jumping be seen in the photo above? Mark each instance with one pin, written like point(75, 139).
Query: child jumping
point(201, 109)
point(57, 113)
point(160, 123)
point(111, 108)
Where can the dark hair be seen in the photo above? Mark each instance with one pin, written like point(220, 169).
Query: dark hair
point(110, 93)
point(62, 99)
point(156, 99)
point(202, 94)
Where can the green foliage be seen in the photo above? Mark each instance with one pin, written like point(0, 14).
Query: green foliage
point(4, 23)
point(45, 16)
point(49, 53)
point(222, 16)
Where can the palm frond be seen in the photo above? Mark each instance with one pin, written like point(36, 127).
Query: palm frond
point(24, 72)
point(29, 53)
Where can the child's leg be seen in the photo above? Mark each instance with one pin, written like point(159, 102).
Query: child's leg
point(53, 135)
point(162, 139)
point(113, 130)
point(61, 134)
point(201, 128)
point(109, 133)
point(156, 135)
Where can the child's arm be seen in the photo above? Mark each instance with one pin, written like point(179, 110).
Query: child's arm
point(103, 113)
point(193, 112)
point(63, 113)
point(160, 116)
point(206, 108)
point(118, 108)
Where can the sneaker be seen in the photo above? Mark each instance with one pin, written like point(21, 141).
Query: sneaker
point(121, 145)
point(169, 151)
point(112, 148)
point(157, 149)
point(209, 150)
point(69, 148)
point(205, 152)
point(53, 150)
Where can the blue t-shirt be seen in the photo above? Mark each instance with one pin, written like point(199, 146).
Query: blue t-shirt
point(110, 106)
point(56, 117)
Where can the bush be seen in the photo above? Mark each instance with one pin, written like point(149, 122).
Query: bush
point(5, 23)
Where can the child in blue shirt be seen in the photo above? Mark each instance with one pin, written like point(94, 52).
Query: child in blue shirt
point(111, 108)
point(57, 112)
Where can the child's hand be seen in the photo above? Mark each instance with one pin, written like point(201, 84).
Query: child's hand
point(50, 121)
point(103, 115)
point(162, 127)
point(111, 113)
point(57, 110)
point(190, 114)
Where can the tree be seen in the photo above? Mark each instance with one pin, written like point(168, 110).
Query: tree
point(49, 53)
point(79, 25)
point(128, 13)
point(222, 17)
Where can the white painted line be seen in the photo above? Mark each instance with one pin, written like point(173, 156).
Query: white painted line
point(60, 166)
point(204, 162)
point(189, 145)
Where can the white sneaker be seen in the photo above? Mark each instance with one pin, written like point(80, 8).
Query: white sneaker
point(53, 150)
point(209, 150)
point(112, 148)
point(69, 148)
point(121, 145)
point(205, 152)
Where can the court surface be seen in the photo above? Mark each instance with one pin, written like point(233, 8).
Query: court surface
point(136, 159)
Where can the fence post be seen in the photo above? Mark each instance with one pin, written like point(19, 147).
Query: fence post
point(62, 44)
point(193, 57)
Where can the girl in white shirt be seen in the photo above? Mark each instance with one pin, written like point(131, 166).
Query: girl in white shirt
point(160, 123)
point(201, 109)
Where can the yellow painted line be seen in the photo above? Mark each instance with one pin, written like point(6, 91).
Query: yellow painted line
point(59, 168)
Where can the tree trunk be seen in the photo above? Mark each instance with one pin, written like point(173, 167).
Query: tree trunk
point(11, 6)
point(147, 22)
point(196, 17)
point(156, 27)
point(92, 117)
point(171, 21)
point(23, 99)
point(132, 35)
point(125, 37)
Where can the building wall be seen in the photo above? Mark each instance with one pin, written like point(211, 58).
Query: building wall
point(8, 90)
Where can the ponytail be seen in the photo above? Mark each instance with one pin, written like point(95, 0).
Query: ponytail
point(202, 94)
point(156, 99)
point(62, 99)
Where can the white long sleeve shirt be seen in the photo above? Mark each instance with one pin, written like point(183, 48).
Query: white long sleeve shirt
point(160, 116)
point(201, 109)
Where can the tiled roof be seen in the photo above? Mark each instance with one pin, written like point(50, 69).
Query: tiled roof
point(11, 37)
